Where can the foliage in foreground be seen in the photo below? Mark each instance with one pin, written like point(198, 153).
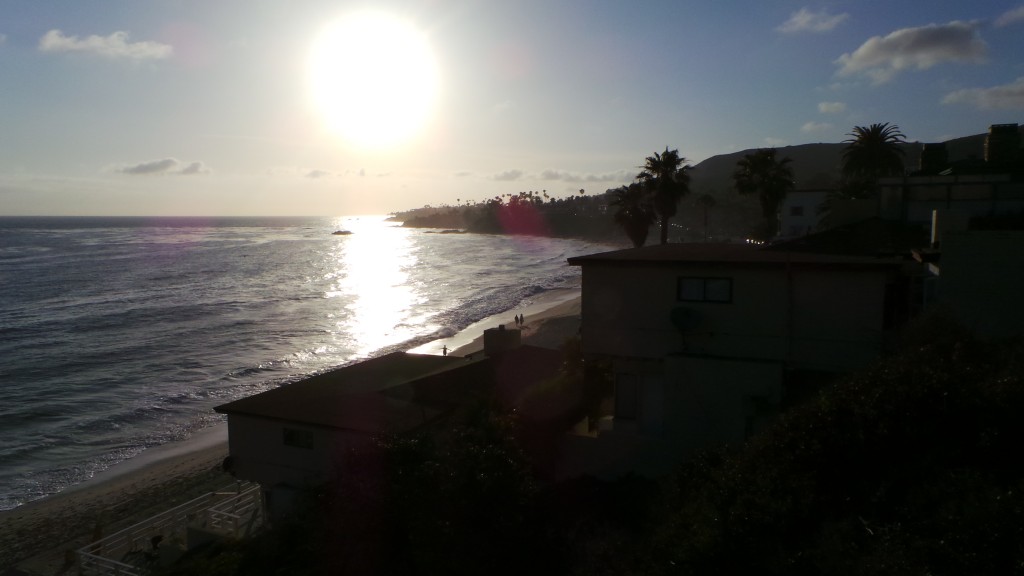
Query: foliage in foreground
point(911, 467)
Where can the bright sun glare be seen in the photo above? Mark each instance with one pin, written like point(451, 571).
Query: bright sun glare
point(373, 79)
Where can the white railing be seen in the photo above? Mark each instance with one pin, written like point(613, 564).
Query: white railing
point(231, 513)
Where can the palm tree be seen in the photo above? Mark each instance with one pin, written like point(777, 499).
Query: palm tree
point(707, 202)
point(665, 178)
point(871, 153)
point(633, 212)
point(769, 178)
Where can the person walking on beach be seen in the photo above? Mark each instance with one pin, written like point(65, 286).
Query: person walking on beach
point(444, 350)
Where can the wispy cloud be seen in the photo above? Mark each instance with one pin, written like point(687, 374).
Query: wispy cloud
point(812, 127)
point(804, 20)
point(1010, 17)
point(568, 176)
point(116, 45)
point(508, 175)
point(3, 38)
point(194, 168)
point(1006, 97)
point(162, 167)
point(881, 58)
point(831, 107)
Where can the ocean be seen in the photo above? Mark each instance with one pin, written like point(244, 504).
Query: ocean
point(121, 334)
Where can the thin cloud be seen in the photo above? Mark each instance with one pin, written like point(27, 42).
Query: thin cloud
point(194, 168)
point(164, 166)
point(774, 142)
point(114, 46)
point(804, 20)
point(3, 38)
point(567, 176)
point(812, 127)
point(508, 175)
point(1010, 17)
point(1005, 97)
point(831, 107)
point(881, 58)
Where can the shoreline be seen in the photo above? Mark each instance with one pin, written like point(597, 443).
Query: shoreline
point(38, 536)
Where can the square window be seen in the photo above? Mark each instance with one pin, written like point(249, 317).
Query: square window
point(718, 290)
point(298, 438)
point(705, 289)
point(691, 289)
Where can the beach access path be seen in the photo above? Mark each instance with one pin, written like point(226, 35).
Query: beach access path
point(40, 537)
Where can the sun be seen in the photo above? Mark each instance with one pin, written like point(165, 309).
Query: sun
point(373, 79)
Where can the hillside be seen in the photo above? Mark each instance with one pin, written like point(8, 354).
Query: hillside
point(814, 165)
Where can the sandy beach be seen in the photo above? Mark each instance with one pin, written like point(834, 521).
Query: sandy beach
point(40, 537)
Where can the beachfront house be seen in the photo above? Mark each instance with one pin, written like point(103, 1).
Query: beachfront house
point(303, 433)
point(704, 341)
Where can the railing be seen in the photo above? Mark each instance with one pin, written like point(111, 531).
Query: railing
point(135, 550)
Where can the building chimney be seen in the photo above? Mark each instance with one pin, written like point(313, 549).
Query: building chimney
point(498, 340)
point(934, 158)
point(1002, 145)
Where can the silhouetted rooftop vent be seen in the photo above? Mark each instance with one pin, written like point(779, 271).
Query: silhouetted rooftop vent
point(934, 158)
point(498, 340)
point(1002, 145)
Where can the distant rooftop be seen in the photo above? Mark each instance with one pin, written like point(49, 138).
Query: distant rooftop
point(752, 255)
point(350, 397)
point(873, 237)
point(400, 391)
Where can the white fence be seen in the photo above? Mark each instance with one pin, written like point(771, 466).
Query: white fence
point(162, 539)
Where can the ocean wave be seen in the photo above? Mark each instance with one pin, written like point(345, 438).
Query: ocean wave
point(116, 328)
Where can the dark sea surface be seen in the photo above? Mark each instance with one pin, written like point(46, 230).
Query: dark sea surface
point(121, 334)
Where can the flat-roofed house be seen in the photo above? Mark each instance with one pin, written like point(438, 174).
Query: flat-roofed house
point(702, 338)
point(300, 434)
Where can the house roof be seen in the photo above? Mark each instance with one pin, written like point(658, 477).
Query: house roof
point(350, 397)
point(873, 237)
point(733, 254)
point(399, 391)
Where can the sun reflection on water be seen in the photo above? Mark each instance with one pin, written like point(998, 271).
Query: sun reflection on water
point(371, 280)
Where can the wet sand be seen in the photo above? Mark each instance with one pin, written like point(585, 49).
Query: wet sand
point(40, 537)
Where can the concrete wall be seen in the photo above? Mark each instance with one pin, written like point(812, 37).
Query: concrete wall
point(815, 318)
point(259, 453)
point(685, 404)
point(916, 197)
point(719, 401)
point(980, 281)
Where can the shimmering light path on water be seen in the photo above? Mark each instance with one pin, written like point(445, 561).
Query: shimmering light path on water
point(119, 334)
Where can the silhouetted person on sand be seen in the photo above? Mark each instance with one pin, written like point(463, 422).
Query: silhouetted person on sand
point(444, 350)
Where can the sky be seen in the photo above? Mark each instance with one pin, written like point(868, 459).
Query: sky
point(329, 108)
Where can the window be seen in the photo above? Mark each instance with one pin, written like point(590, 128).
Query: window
point(298, 438)
point(705, 289)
